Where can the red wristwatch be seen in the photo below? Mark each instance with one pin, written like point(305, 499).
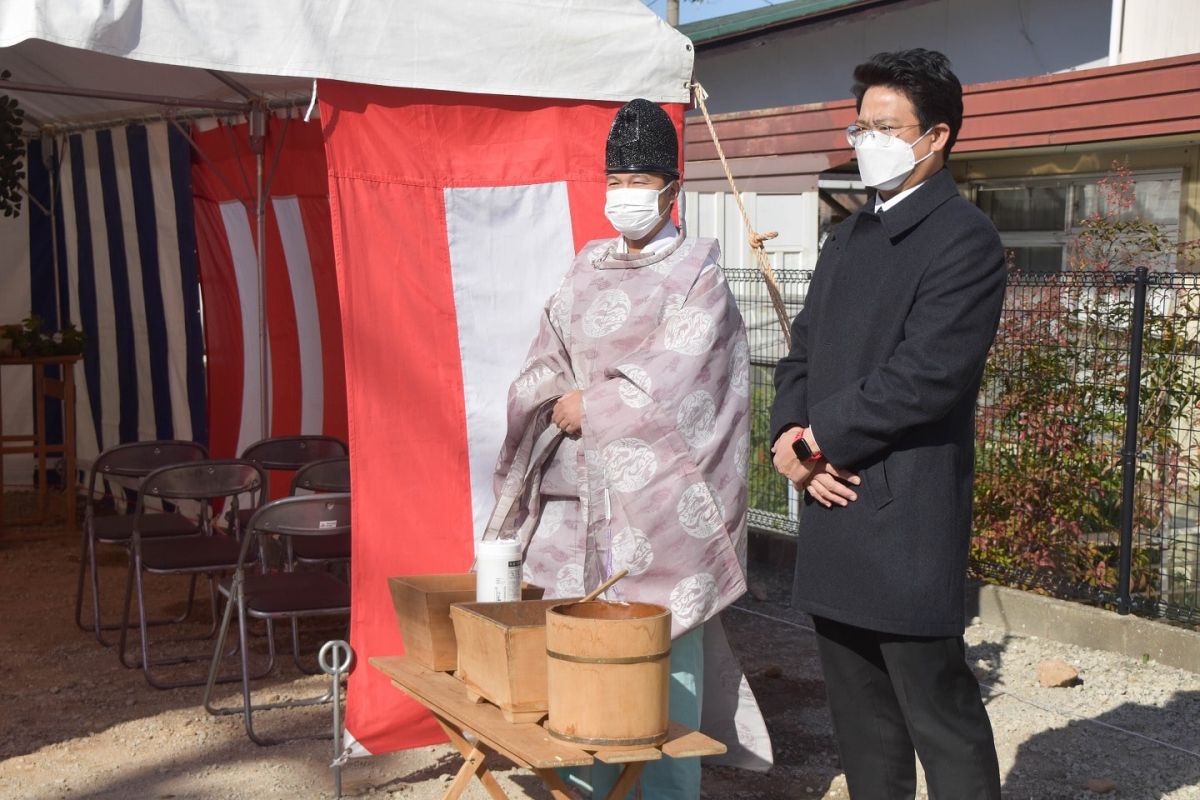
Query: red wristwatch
point(802, 450)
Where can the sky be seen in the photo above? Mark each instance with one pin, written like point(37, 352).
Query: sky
point(692, 10)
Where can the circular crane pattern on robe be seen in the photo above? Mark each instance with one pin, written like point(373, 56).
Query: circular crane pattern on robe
point(690, 331)
point(697, 419)
point(631, 550)
point(570, 581)
point(739, 369)
point(699, 510)
point(741, 455)
point(607, 313)
point(629, 464)
point(692, 598)
point(635, 388)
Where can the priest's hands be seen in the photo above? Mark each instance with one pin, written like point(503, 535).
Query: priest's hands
point(568, 413)
point(827, 484)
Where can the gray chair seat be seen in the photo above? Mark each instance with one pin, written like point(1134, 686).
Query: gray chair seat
point(201, 554)
point(295, 592)
point(118, 529)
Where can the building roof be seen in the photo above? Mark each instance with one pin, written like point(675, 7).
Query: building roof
point(757, 20)
point(777, 149)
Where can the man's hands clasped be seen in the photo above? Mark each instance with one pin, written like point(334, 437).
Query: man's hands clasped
point(827, 484)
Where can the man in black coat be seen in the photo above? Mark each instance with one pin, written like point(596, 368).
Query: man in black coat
point(874, 418)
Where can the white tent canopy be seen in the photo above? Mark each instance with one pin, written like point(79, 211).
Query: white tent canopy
point(573, 49)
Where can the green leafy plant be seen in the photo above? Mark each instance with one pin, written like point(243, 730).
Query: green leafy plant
point(30, 338)
point(1050, 426)
point(768, 489)
point(12, 153)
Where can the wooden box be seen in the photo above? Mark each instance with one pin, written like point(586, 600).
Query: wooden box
point(502, 655)
point(422, 604)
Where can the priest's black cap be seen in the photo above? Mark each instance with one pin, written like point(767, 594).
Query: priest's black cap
point(642, 139)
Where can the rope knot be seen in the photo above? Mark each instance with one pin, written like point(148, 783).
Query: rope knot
point(757, 239)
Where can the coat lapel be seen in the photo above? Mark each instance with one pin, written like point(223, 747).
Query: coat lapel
point(913, 209)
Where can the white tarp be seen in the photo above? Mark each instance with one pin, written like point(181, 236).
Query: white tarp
point(575, 49)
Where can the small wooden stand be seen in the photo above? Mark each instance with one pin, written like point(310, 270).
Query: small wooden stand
point(44, 386)
point(527, 744)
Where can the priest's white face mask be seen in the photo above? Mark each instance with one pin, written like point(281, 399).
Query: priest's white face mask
point(635, 212)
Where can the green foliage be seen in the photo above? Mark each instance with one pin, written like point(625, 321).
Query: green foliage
point(1051, 421)
point(768, 489)
point(31, 339)
point(12, 153)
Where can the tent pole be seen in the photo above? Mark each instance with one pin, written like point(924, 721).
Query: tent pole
point(128, 97)
point(55, 183)
point(258, 123)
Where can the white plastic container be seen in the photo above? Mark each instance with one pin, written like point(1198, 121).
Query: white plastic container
point(498, 571)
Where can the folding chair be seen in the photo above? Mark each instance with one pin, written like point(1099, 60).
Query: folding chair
point(288, 453)
point(119, 469)
point(279, 595)
point(327, 475)
point(209, 554)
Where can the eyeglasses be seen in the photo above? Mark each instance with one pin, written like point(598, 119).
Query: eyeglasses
point(885, 133)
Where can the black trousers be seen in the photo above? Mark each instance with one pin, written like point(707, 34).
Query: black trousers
point(891, 696)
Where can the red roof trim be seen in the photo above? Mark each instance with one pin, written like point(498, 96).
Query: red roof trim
point(1145, 99)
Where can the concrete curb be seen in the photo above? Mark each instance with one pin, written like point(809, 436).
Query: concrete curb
point(1026, 614)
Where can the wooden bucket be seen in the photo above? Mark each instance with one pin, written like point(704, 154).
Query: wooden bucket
point(608, 668)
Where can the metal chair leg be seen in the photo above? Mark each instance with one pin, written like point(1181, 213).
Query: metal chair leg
point(90, 565)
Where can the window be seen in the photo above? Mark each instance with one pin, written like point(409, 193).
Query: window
point(1037, 217)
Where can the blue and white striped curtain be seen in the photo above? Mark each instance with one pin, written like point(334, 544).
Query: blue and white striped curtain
point(126, 276)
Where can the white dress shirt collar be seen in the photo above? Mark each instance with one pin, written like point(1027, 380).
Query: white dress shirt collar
point(882, 205)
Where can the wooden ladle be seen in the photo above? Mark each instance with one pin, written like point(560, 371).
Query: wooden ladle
point(604, 587)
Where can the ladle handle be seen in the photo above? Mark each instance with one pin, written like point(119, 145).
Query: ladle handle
point(604, 587)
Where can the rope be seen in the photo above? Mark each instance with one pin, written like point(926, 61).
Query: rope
point(756, 239)
point(1001, 691)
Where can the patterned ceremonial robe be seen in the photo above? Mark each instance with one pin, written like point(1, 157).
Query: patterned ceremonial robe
point(656, 481)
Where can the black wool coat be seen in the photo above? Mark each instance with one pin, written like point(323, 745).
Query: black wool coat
point(886, 361)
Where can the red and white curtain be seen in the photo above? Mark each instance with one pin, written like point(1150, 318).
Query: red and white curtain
point(455, 216)
point(306, 376)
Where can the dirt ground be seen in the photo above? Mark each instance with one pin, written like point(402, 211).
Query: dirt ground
point(75, 724)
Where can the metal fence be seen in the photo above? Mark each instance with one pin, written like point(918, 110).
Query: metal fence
point(1083, 488)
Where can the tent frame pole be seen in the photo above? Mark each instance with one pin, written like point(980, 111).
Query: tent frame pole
point(258, 134)
point(128, 97)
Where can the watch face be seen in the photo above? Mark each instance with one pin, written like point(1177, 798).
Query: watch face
point(801, 449)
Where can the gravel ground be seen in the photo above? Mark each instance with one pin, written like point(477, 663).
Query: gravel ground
point(75, 724)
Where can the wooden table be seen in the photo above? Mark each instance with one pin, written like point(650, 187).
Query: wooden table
point(44, 386)
point(527, 745)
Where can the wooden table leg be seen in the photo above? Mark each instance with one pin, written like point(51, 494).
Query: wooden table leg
point(1, 456)
point(68, 377)
point(39, 430)
point(625, 783)
point(470, 767)
point(554, 782)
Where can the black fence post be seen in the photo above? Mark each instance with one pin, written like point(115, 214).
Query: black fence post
point(1129, 451)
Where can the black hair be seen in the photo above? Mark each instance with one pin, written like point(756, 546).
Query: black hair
point(924, 77)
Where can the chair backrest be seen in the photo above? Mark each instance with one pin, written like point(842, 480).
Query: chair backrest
point(293, 452)
point(203, 480)
point(326, 475)
point(306, 515)
point(139, 459)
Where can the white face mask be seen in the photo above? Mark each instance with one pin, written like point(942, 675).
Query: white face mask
point(634, 212)
point(886, 167)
